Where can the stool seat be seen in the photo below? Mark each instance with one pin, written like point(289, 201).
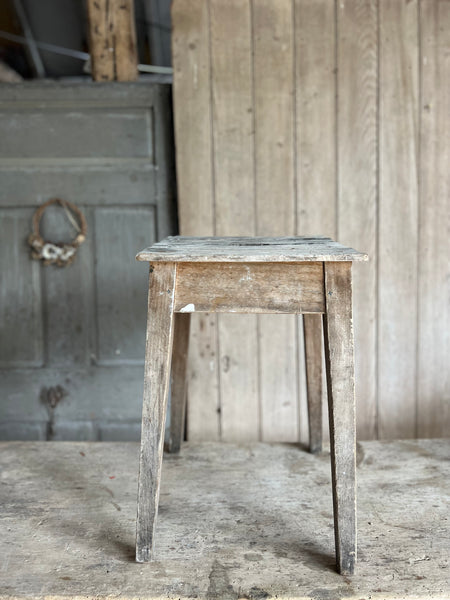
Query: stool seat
point(249, 249)
point(308, 275)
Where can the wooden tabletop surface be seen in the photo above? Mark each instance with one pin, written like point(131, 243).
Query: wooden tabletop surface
point(249, 249)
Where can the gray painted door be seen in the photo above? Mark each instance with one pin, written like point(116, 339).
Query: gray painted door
point(72, 339)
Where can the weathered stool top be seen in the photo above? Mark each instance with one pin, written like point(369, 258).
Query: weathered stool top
point(249, 249)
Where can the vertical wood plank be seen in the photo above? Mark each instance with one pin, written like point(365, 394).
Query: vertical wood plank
point(203, 405)
point(398, 205)
point(232, 98)
point(68, 292)
point(315, 33)
point(274, 179)
point(193, 133)
point(21, 323)
point(192, 116)
point(156, 388)
point(233, 135)
point(120, 283)
point(273, 64)
point(357, 185)
point(101, 39)
point(112, 40)
point(433, 386)
point(178, 380)
point(125, 48)
point(339, 360)
point(315, 91)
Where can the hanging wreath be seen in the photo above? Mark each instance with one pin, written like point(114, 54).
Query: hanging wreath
point(57, 253)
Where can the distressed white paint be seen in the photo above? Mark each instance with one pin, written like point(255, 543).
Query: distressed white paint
point(189, 308)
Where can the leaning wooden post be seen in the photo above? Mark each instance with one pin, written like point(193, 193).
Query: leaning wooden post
point(125, 41)
point(112, 39)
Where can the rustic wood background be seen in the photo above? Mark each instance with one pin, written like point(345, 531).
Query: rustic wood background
point(316, 116)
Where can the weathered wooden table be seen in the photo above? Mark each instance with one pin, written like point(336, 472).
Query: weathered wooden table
point(301, 275)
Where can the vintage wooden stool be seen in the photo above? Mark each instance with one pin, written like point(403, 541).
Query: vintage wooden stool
point(300, 275)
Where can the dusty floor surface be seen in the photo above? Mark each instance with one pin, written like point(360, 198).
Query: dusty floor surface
point(235, 522)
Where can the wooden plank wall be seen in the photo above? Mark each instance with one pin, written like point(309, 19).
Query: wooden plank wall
point(316, 116)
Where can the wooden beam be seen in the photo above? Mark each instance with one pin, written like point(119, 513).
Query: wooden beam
point(125, 53)
point(112, 34)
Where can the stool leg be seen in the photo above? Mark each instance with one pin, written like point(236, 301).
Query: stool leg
point(341, 406)
point(312, 327)
point(178, 380)
point(156, 387)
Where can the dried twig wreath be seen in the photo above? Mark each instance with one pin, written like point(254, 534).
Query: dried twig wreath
point(57, 253)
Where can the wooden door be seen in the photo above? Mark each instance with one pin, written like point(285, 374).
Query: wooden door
point(72, 339)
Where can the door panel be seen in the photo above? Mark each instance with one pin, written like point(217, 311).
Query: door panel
point(72, 339)
point(21, 320)
point(93, 132)
point(121, 307)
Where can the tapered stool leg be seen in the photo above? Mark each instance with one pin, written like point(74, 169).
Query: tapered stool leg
point(339, 362)
point(312, 327)
point(156, 387)
point(178, 380)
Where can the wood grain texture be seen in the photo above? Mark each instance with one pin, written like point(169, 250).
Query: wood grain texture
point(21, 322)
point(101, 38)
point(178, 388)
point(50, 137)
point(398, 211)
point(356, 174)
point(69, 310)
point(273, 79)
point(357, 185)
point(433, 384)
point(125, 48)
point(193, 130)
point(278, 375)
point(100, 390)
point(192, 116)
point(252, 287)
point(339, 360)
point(232, 98)
point(315, 131)
point(312, 325)
point(240, 409)
point(112, 40)
point(156, 390)
point(249, 249)
point(120, 283)
point(203, 406)
point(273, 59)
point(233, 139)
point(315, 111)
